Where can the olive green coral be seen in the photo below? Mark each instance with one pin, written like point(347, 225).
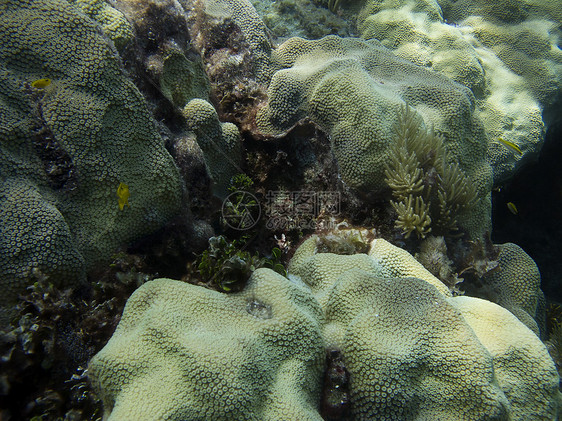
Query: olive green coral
point(114, 25)
point(355, 90)
point(192, 353)
point(220, 142)
point(411, 349)
point(183, 79)
point(67, 147)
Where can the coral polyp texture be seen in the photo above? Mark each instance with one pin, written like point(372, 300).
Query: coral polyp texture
point(411, 349)
point(193, 353)
point(114, 25)
point(516, 286)
point(355, 90)
point(220, 142)
point(66, 148)
point(507, 53)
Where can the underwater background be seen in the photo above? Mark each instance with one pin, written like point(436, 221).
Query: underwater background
point(280, 210)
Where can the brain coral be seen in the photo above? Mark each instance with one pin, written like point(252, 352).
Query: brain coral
point(412, 350)
point(193, 354)
point(354, 90)
point(505, 52)
point(65, 148)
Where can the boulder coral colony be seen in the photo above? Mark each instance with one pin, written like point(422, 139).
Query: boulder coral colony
point(124, 126)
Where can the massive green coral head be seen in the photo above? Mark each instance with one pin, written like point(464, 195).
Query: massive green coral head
point(415, 352)
point(412, 350)
point(355, 90)
point(67, 148)
point(507, 52)
point(183, 352)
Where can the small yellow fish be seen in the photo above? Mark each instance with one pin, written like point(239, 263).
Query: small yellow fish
point(41, 83)
point(510, 145)
point(512, 208)
point(123, 195)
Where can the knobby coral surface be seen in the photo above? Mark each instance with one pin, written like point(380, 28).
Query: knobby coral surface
point(355, 90)
point(68, 146)
point(411, 350)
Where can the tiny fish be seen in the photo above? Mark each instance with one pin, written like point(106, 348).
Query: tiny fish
point(512, 208)
point(41, 83)
point(510, 145)
point(123, 195)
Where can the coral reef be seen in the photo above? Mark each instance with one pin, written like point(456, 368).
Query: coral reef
point(104, 136)
point(354, 90)
point(140, 127)
point(113, 23)
point(433, 255)
point(511, 63)
point(391, 330)
point(182, 79)
point(516, 286)
point(226, 265)
point(305, 18)
point(554, 346)
point(251, 26)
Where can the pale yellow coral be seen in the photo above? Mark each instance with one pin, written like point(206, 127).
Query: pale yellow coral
point(412, 350)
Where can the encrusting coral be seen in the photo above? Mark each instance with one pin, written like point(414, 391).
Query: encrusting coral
point(430, 189)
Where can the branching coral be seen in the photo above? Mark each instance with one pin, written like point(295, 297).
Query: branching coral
point(431, 190)
point(413, 215)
